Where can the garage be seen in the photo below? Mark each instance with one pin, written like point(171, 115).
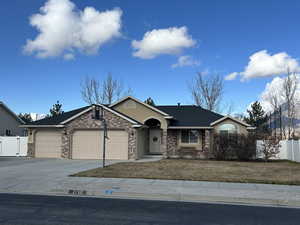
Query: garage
point(48, 144)
point(88, 144)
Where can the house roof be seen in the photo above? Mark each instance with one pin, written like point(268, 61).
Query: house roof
point(11, 112)
point(190, 115)
point(65, 117)
point(55, 120)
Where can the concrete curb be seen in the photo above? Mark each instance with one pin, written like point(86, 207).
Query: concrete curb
point(167, 197)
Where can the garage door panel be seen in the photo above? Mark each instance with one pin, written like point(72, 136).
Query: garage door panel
point(86, 145)
point(89, 145)
point(48, 144)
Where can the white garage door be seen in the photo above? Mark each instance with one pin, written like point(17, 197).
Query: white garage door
point(48, 144)
point(89, 145)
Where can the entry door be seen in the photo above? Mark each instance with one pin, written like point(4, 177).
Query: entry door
point(155, 141)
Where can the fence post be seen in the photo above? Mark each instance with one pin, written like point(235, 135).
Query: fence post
point(293, 154)
point(19, 146)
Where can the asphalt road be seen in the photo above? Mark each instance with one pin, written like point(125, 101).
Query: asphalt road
point(32, 210)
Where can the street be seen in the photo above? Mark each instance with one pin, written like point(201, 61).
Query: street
point(34, 209)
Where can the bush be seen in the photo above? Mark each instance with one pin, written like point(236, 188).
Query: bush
point(234, 146)
point(245, 147)
point(270, 147)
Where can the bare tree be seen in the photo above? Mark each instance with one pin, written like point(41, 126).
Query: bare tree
point(96, 92)
point(91, 91)
point(112, 89)
point(270, 147)
point(207, 92)
point(290, 86)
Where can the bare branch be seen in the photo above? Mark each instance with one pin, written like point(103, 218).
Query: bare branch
point(208, 92)
point(95, 92)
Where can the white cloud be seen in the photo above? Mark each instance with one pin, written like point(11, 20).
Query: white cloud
point(186, 60)
point(263, 64)
point(231, 76)
point(275, 87)
point(162, 41)
point(62, 28)
point(69, 56)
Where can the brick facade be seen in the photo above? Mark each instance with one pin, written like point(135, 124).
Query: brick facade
point(85, 121)
point(173, 151)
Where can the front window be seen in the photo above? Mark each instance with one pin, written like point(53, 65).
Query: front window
point(189, 136)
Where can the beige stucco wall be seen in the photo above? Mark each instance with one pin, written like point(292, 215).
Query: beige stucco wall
point(140, 112)
point(240, 128)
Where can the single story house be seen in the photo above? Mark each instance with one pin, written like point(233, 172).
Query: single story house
point(10, 122)
point(134, 128)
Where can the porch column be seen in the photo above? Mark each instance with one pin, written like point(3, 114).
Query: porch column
point(163, 146)
point(207, 140)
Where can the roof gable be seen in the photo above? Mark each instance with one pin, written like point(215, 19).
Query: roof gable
point(62, 119)
point(230, 118)
point(140, 102)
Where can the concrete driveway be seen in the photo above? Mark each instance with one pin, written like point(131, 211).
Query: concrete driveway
point(40, 175)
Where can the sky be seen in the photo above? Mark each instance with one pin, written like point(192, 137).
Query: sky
point(153, 47)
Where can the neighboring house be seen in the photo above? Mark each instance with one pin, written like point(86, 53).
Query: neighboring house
point(10, 122)
point(135, 129)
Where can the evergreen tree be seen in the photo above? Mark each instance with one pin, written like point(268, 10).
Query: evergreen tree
point(150, 101)
point(56, 109)
point(25, 117)
point(256, 116)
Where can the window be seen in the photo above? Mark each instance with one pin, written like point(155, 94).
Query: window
point(189, 136)
point(8, 132)
point(227, 128)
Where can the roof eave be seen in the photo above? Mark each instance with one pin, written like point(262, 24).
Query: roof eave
point(231, 118)
point(189, 127)
point(41, 126)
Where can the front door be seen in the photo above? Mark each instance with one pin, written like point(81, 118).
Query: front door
point(155, 141)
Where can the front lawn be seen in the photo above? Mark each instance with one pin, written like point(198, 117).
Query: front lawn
point(276, 172)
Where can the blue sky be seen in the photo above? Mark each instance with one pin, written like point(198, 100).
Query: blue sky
point(225, 35)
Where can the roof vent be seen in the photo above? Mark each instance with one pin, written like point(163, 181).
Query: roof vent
point(178, 104)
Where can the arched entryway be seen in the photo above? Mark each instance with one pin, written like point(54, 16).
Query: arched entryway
point(154, 134)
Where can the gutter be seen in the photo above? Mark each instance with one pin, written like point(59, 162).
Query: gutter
point(174, 127)
point(42, 126)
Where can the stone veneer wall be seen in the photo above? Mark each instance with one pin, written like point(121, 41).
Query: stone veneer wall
point(174, 152)
point(85, 121)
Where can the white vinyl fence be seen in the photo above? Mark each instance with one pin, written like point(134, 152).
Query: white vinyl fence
point(13, 146)
point(290, 150)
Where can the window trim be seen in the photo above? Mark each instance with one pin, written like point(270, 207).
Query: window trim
point(235, 131)
point(189, 137)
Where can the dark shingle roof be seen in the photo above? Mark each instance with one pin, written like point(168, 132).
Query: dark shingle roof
point(190, 115)
point(55, 120)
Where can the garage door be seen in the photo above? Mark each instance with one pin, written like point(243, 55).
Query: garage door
point(89, 145)
point(48, 144)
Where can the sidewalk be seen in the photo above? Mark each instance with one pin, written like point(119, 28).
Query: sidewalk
point(191, 191)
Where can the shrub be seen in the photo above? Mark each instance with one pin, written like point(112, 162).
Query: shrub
point(270, 147)
point(234, 146)
point(245, 147)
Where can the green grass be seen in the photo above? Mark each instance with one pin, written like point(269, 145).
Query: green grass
point(275, 172)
